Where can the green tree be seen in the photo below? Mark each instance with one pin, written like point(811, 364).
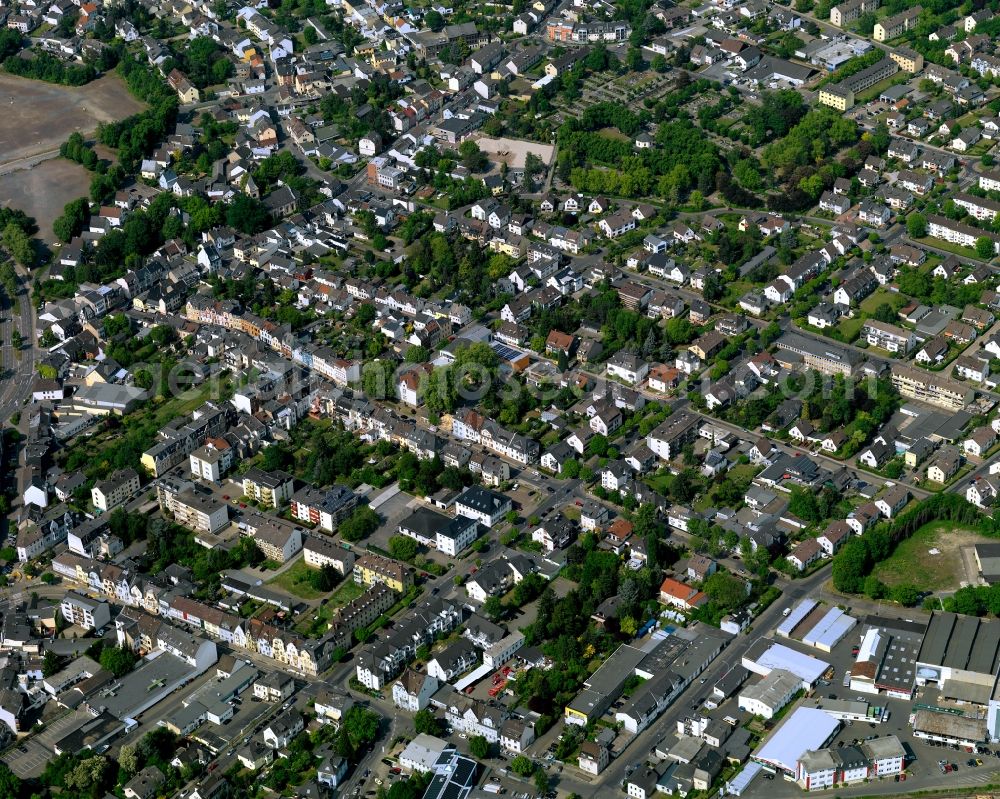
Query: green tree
point(473, 159)
point(360, 524)
point(434, 20)
point(916, 225)
point(324, 579)
point(377, 379)
point(19, 245)
point(571, 469)
point(884, 312)
point(494, 608)
point(361, 725)
point(51, 664)
point(725, 590)
point(118, 660)
point(874, 587)
point(851, 566)
point(906, 595)
point(522, 766)
point(479, 746)
point(248, 215)
point(402, 547)
point(426, 722)
point(984, 247)
point(10, 783)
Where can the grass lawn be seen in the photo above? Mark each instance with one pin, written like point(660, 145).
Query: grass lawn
point(881, 295)
point(735, 290)
point(658, 482)
point(296, 580)
point(613, 133)
point(980, 148)
point(744, 472)
point(912, 562)
point(876, 90)
point(947, 246)
point(849, 328)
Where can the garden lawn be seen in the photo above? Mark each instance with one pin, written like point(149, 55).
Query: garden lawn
point(296, 580)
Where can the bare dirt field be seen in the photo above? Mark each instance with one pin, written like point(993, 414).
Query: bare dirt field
point(36, 116)
point(43, 190)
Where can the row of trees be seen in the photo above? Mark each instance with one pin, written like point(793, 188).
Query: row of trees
point(42, 66)
point(106, 180)
point(853, 564)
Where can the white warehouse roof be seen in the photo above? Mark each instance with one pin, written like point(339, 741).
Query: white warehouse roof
point(830, 630)
point(803, 609)
point(803, 730)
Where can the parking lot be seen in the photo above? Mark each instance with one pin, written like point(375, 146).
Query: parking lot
point(29, 757)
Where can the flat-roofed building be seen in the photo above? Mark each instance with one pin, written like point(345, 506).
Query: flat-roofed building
point(195, 510)
point(988, 562)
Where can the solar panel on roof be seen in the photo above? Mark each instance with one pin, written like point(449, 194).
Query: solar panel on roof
point(505, 352)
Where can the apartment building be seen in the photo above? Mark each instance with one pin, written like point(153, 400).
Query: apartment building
point(939, 227)
point(888, 337)
point(908, 60)
point(82, 611)
point(211, 460)
point(823, 356)
point(931, 388)
point(319, 551)
point(841, 95)
point(486, 507)
point(473, 426)
point(371, 568)
point(982, 208)
point(668, 439)
point(844, 13)
point(896, 25)
point(270, 489)
point(836, 96)
point(989, 181)
point(323, 508)
point(193, 509)
point(448, 535)
point(278, 539)
point(121, 486)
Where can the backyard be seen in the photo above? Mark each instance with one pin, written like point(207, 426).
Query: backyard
point(315, 622)
point(297, 581)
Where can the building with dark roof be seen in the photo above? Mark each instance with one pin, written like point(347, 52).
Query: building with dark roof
point(449, 535)
point(961, 654)
point(988, 562)
point(485, 506)
point(454, 776)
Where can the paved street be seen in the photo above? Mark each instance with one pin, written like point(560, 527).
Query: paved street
point(16, 369)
